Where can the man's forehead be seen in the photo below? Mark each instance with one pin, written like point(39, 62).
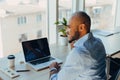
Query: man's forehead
point(74, 19)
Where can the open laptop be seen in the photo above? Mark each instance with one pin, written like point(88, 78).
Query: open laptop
point(37, 53)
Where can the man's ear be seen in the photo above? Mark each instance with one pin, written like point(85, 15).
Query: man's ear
point(81, 27)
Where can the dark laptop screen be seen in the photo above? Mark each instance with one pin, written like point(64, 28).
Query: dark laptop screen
point(35, 49)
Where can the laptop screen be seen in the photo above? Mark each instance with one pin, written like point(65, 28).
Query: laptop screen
point(35, 49)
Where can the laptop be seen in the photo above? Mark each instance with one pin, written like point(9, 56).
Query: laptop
point(37, 54)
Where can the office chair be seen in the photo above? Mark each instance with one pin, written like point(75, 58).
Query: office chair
point(118, 75)
point(114, 70)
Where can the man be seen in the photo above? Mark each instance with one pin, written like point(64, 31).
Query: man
point(86, 61)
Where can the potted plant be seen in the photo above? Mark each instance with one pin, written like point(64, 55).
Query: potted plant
point(62, 26)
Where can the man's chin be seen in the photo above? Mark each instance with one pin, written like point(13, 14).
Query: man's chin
point(70, 41)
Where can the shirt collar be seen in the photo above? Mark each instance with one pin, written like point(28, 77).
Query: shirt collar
point(82, 39)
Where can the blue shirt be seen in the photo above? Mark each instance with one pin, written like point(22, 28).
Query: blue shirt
point(86, 61)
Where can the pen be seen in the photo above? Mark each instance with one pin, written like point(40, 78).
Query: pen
point(22, 70)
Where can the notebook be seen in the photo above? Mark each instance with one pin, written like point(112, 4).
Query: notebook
point(37, 53)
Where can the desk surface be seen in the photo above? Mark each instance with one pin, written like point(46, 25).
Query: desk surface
point(56, 51)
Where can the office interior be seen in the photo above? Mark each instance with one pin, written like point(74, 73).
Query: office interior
point(24, 20)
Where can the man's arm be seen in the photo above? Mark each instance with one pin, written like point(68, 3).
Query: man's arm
point(54, 69)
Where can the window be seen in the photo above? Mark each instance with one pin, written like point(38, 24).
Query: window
point(39, 34)
point(23, 13)
point(65, 9)
point(38, 18)
point(23, 37)
point(102, 13)
point(21, 20)
point(24, 20)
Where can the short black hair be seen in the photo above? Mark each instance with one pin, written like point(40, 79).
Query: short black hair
point(85, 19)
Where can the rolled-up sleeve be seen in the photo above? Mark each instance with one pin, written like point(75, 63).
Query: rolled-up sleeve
point(53, 77)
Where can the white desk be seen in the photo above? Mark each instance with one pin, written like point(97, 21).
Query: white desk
point(57, 51)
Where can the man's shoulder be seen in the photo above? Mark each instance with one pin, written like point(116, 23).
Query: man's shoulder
point(79, 50)
point(93, 39)
point(93, 42)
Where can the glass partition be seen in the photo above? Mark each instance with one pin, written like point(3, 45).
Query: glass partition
point(65, 9)
point(21, 20)
point(102, 13)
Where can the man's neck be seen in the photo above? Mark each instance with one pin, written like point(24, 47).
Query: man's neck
point(83, 34)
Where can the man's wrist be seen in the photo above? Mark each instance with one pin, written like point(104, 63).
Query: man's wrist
point(53, 70)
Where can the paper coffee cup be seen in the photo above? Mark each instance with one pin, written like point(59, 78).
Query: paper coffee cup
point(11, 61)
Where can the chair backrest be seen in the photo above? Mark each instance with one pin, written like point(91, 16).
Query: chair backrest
point(115, 68)
point(118, 75)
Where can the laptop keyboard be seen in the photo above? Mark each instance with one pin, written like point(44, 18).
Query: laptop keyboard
point(42, 60)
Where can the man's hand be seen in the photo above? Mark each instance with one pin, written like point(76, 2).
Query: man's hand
point(72, 44)
point(54, 65)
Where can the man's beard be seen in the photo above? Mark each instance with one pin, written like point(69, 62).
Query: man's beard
point(70, 41)
point(76, 37)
